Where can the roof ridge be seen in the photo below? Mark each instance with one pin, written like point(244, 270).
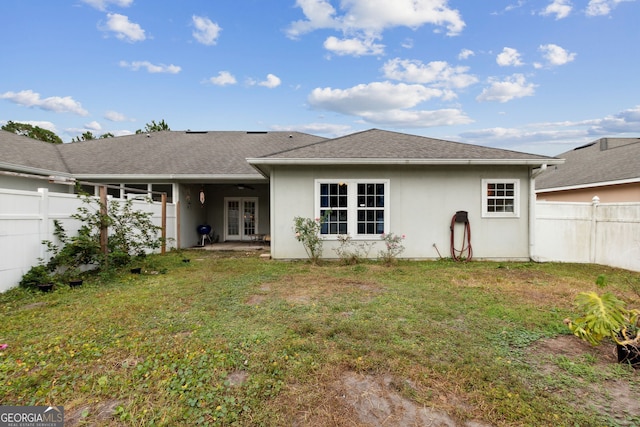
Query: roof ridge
point(296, 148)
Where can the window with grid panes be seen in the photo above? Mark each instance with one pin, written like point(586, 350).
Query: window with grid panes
point(370, 208)
point(334, 206)
point(355, 207)
point(501, 198)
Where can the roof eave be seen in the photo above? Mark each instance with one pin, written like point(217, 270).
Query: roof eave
point(589, 185)
point(176, 177)
point(384, 161)
point(31, 170)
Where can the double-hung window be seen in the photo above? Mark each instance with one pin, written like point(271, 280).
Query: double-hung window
point(501, 197)
point(355, 207)
point(334, 207)
point(370, 208)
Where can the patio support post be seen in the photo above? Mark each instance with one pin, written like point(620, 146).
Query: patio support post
point(163, 250)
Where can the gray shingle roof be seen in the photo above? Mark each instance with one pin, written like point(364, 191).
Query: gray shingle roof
point(160, 153)
point(30, 153)
point(381, 144)
point(224, 153)
point(604, 160)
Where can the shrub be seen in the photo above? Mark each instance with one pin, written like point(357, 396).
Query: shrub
point(351, 252)
point(307, 231)
point(37, 275)
point(131, 232)
point(393, 247)
point(72, 252)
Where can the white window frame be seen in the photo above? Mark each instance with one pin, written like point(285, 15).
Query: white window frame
point(352, 206)
point(516, 198)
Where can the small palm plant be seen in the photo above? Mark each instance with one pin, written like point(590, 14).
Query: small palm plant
point(605, 316)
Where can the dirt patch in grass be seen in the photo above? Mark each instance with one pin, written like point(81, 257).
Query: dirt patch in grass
point(93, 414)
point(355, 399)
point(618, 397)
point(237, 378)
point(296, 289)
point(34, 305)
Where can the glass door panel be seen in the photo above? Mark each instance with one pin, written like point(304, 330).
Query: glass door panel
point(241, 218)
point(249, 217)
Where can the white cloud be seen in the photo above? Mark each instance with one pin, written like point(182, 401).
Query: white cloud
point(372, 17)
point(602, 7)
point(353, 46)
point(271, 81)
point(29, 98)
point(223, 78)
point(206, 32)
point(509, 57)
point(465, 54)
point(512, 87)
point(376, 96)
point(123, 28)
point(386, 103)
point(437, 73)
point(94, 125)
point(560, 8)
point(407, 44)
point(418, 118)
point(514, 6)
point(326, 129)
point(114, 116)
point(151, 68)
point(622, 122)
point(552, 138)
point(555, 55)
point(103, 4)
point(40, 123)
point(319, 14)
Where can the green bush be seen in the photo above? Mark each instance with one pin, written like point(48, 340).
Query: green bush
point(37, 275)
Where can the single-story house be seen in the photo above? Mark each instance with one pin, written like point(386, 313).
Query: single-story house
point(608, 168)
point(255, 183)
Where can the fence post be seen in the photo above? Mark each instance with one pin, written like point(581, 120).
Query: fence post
point(44, 220)
point(104, 230)
point(594, 229)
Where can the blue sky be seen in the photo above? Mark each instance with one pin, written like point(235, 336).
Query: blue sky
point(536, 76)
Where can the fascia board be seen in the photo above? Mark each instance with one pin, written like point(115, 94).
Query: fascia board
point(361, 161)
point(30, 170)
point(188, 177)
point(589, 185)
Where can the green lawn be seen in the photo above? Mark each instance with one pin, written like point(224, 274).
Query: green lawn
point(233, 339)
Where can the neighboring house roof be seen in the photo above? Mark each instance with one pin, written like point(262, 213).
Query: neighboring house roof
point(24, 154)
point(377, 146)
point(166, 154)
point(606, 161)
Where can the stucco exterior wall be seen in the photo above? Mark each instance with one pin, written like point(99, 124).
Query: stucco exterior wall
point(32, 184)
point(422, 201)
point(607, 194)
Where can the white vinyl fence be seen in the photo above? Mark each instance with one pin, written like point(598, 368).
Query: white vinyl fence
point(26, 219)
point(597, 233)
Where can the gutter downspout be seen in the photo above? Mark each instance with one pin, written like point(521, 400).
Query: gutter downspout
point(533, 173)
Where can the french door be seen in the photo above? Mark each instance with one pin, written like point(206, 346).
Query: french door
point(240, 218)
